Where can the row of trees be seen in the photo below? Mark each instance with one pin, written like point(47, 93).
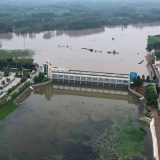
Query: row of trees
point(81, 21)
point(26, 63)
point(3, 82)
point(5, 27)
point(151, 95)
point(154, 45)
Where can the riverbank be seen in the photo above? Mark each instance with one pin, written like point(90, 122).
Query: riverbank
point(154, 127)
point(27, 92)
point(7, 108)
point(11, 105)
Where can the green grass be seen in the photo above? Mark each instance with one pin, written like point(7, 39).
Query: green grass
point(16, 53)
point(7, 108)
point(153, 39)
point(144, 123)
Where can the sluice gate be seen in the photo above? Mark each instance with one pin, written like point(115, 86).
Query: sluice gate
point(88, 77)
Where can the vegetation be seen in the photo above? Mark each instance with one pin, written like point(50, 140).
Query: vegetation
point(39, 78)
point(157, 54)
point(123, 141)
point(15, 53)
point(6, 109)
point(157, 89)
point(13, 88)
point(30, 17)
point(3, 83)
point(26, 63)
point(6, 73)
point(23, 79)
point(8, 80)
point(151, 95)
point(138, 82)
point(153, 43)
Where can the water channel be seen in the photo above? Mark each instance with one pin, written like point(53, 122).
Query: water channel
point(58, 122)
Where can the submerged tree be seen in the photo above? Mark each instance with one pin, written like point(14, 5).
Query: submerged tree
point(121, 142)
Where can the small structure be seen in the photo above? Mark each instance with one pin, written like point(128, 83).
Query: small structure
point(133, 75)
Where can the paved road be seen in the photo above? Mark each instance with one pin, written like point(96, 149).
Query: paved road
point(13, 83)
point(157, 74)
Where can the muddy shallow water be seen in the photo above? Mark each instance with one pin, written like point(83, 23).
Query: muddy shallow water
point(58, 121)
point(128, 41)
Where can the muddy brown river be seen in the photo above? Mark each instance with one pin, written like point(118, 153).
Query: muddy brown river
point(128, 41)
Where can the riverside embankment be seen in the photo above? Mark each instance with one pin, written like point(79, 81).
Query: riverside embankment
point(27, 92)
point(153, 123)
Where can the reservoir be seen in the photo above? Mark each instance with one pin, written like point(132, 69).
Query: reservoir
point(59, 121)
point(129, 41)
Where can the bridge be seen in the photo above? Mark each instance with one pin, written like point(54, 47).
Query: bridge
point(87, 77)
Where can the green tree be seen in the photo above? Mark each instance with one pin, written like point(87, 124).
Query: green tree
point(151, 95)
point(23, 79)
point(138, 81)
point(16, 74)
point(36, 79)
point(143, 77)
point(6, 73)
point(13, 94)
point(3, 83)
point(154, 77)
point(148, 79)
point(3, 101)
point(8, 80)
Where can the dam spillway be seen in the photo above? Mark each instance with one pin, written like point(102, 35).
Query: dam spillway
point(87, 77)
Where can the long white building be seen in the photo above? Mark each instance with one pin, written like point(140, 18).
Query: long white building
point(87, 77)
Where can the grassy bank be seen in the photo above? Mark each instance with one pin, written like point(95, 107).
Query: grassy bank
point(15, 53)
point(7, 108)
point(153, 39)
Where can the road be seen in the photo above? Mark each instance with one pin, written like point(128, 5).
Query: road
point(157, 74)
point(10, 85)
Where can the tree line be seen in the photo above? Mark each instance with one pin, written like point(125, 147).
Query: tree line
point(73, 17)
point(26, 63)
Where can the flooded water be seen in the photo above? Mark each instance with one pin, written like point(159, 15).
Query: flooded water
point(128, 41)
point(59, 122)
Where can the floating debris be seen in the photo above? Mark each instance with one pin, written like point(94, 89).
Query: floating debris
point(141, 62)
point(91, 50)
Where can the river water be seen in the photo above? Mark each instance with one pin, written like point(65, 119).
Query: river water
point(59, 121)
point(128, 41)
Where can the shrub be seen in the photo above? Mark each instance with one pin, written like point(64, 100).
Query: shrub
point(13, 94)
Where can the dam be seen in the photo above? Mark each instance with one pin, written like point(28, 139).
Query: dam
point(88, 77)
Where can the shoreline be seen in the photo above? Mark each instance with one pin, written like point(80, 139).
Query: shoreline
point(27, 92)
point(142, 117)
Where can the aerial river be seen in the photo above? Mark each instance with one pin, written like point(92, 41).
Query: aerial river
point(59, 121)
point(129, 41)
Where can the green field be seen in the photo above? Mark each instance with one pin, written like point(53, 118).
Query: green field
point(153, 39)
point(6, 109)
point(15, 53)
